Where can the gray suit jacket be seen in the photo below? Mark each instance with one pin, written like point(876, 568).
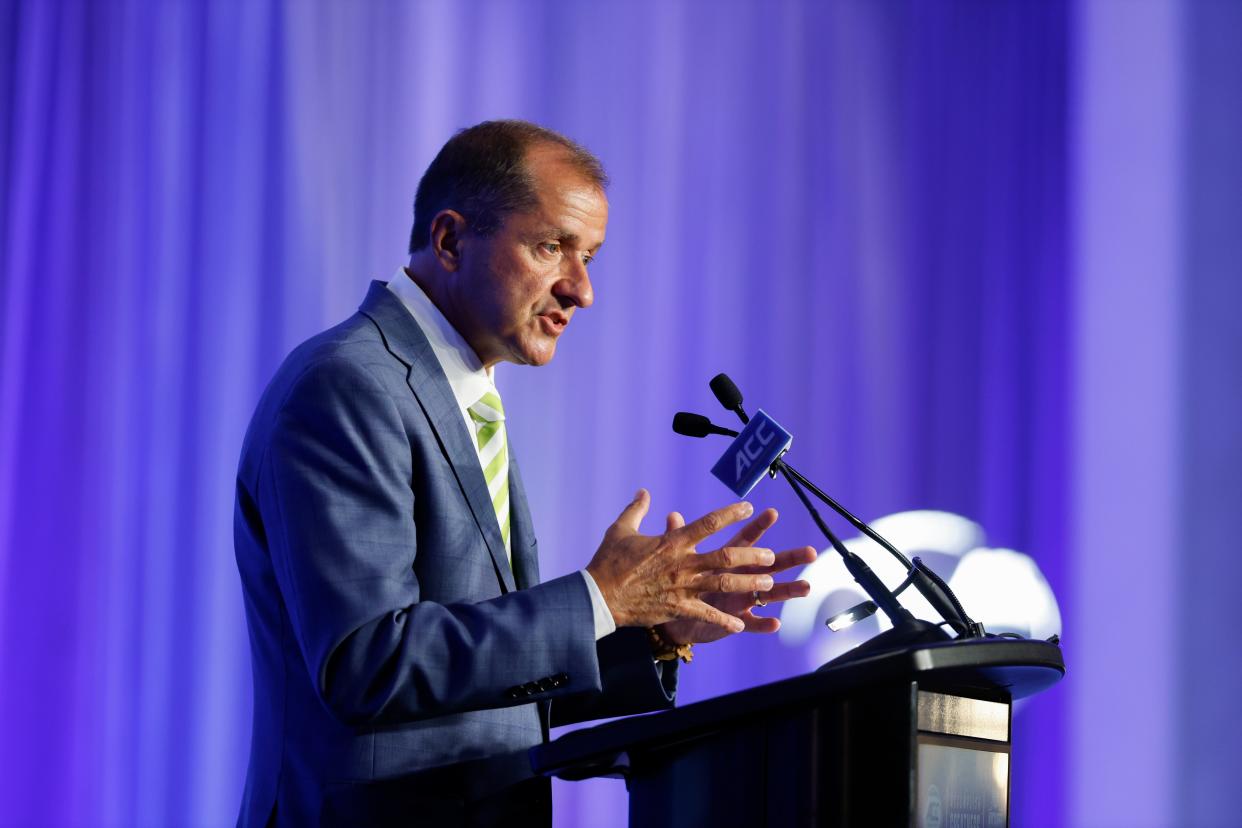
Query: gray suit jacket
point(388, 632)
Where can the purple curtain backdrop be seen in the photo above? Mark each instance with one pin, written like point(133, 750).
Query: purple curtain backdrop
point(978, 257)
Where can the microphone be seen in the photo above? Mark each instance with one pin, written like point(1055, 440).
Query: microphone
point(906, 629)
point(729, 396)
point(763, 439)
point(696, 425)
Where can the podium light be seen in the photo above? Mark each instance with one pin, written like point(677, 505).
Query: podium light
point(851, 616)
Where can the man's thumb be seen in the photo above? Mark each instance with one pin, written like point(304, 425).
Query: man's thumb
point(632, 516)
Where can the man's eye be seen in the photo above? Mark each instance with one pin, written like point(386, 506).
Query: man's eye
point(551, 248)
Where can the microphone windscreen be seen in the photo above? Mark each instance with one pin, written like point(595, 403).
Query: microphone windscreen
point(726, 392)
point(691, 425)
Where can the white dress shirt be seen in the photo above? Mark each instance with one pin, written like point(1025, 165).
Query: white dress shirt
point(469, 381)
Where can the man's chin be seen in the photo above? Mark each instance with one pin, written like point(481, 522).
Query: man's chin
point(543, 357)
point(536, 356)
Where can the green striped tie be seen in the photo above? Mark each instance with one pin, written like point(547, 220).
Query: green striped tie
point(489, 433)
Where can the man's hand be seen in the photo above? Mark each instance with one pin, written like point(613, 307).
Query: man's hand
point(648, 580)
point(692, 631)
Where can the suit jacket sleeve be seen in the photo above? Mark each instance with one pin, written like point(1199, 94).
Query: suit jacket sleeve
point(632, 681)
point(337, 493)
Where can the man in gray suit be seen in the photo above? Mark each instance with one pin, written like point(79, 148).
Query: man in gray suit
point(406, 655)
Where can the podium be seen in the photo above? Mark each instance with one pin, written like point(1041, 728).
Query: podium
point(918, 736)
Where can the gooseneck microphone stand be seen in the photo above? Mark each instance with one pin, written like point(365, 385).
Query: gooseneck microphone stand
point(907, 630)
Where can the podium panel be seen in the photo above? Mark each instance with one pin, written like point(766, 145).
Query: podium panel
point(919, 737)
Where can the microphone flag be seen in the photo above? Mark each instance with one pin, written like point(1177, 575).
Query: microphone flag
point(752, 453)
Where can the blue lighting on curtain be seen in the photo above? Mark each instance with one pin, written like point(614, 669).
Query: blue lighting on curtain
point(978, 258)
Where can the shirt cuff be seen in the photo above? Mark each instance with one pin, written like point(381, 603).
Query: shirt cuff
point(604, 623)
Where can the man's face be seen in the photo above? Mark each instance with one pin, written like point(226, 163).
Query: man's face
point(520, 287)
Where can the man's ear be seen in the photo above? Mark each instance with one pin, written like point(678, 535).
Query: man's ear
point(448, 230)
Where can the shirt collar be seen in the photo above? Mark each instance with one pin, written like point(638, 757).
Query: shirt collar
point(465, 373)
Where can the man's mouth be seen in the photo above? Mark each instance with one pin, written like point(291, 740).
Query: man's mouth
point(553, 322)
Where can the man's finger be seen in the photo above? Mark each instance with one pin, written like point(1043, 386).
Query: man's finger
point(738, 602)
point(713, 522)
point(729, 582)
point(760, 623)
point(785, 592)
point(736, 558)
point(784, 560)
point(631, 516)
point(750, 534)
point(704, 612)
point(674, 521)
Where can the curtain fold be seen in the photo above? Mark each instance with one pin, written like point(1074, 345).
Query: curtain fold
point(865, 213)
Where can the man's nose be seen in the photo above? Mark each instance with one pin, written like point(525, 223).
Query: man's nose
point(575, 285)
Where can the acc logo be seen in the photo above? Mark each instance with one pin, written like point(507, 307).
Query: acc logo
point(751, 454)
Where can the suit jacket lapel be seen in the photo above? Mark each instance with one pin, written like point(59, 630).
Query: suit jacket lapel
point(405, 340)
point(521, 530)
